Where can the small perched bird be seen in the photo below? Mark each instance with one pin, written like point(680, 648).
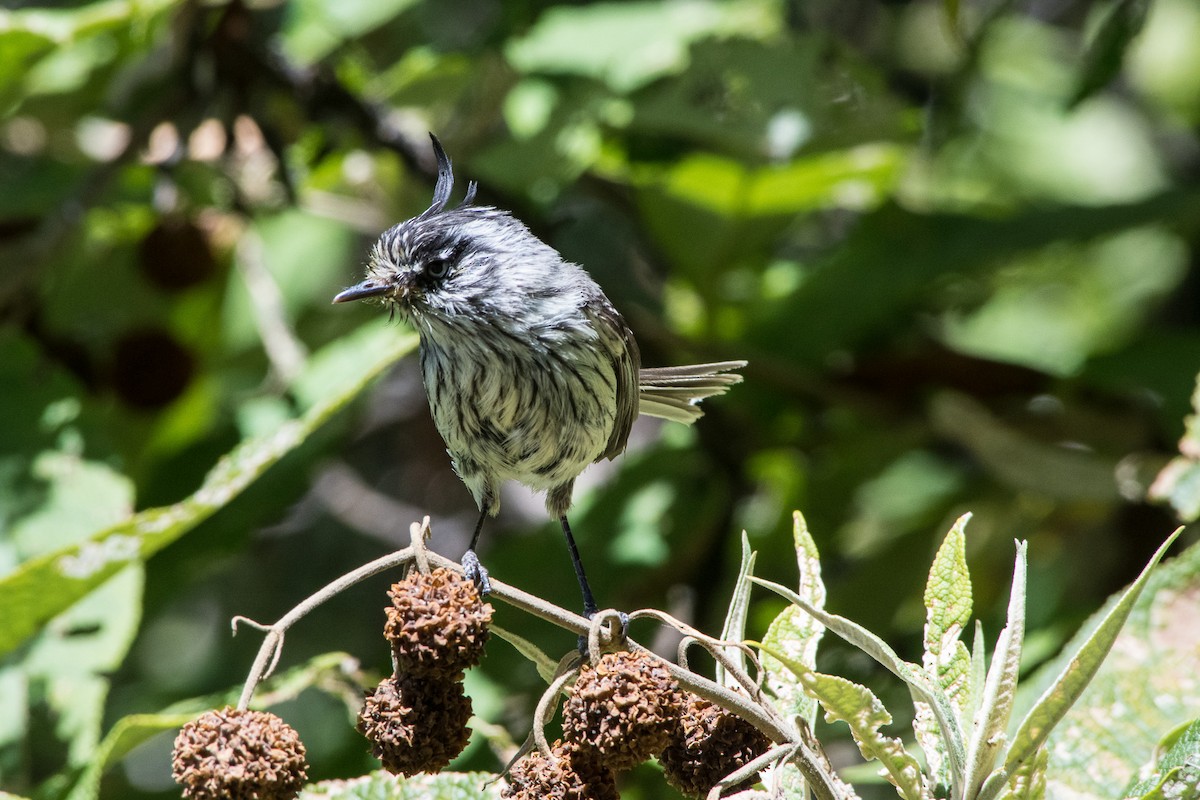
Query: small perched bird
point(530, 372)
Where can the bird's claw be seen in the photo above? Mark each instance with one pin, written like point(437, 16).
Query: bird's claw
point(476, 573)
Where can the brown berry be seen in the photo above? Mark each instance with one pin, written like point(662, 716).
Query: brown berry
point(176, 254)
point(710, 744)
point(572, 774)
point(416, 725)
point(151, 368)
point(437, 624)
point(624, 708)
point(247, 755)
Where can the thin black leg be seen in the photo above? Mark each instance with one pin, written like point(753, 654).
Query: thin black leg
point(472, 569)
point(589, 602)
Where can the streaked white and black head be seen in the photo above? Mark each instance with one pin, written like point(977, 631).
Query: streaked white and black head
point(465, 262)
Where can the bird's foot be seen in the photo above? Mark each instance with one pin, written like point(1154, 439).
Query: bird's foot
point(476, 573)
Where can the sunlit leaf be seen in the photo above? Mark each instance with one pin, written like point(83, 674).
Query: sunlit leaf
point(1069, 685)
point(946, 660)
point(1176, 776)
point(315, 28)
point(918, 682)
point(734, 628)
point(628, 44)
point(883, 270)
point(1147, 685)
point(1179, 482)
point(862, 711)
point(1029, 781)
point(987, 737)
point(43, 587)
point(385, 786)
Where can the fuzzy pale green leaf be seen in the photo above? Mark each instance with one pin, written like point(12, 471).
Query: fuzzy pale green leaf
point(1148, 684)
point(1070, 683)
point(385, 786)
point(857, 706)
point(734, 629)
point(987, 736)
point(947, 611)
point(795, 633)
point(948, 605)
point(913, 676)
point(1029, 781)
point(1176, 776)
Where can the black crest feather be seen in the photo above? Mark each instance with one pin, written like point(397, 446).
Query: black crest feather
point(445, 180)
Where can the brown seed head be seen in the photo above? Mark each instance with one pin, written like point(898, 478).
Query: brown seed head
point(437, 624)
point(573, 775)
point(710, 744)
point(624, 708)
point(245, 755)
point(416, 725)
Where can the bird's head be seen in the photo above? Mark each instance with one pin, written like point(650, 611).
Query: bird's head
point(445, 263)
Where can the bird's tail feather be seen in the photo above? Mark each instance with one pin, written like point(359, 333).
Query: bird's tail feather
point(673, 392)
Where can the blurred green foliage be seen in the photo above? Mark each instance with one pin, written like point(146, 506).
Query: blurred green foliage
point(957, 243)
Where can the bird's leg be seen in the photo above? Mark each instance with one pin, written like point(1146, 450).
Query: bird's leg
point(589, 602)
point(472, 569)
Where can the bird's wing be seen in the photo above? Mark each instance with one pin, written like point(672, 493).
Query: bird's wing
point(617, 341)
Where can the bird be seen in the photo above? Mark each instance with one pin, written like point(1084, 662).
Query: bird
point(530, 372)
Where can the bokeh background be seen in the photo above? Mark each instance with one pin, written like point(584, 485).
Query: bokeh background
point(956, 241)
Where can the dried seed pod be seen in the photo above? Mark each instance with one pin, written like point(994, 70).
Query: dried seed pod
point(573, 774)
point(624, 708)
point(248, 755)
point(710, 744)
point(437, 624)
point(416, 725)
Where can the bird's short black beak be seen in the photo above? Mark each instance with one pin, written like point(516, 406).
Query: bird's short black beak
point(365, 289)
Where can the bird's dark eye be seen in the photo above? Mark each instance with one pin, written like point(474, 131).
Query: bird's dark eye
point(437, 268)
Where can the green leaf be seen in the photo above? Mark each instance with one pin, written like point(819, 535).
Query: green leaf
point(628, 45)
point(857, 177)
point(1179, 482)
point(1148, 684)
point(64, 670)
point(43, 587)
point(734, 629)
point(1066, 689)
point(978, 669)
point(1029, 781)
point(914, 676)
point(385, 786)
point(314, 28)
point(795, 633)
point(947, 611)
point(546, 666)
point(860, 709)
point(991, 720)
point(945, 659)
point(28, 36)
point(882, 272)
point(1176, 776)
point(1105, 54)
